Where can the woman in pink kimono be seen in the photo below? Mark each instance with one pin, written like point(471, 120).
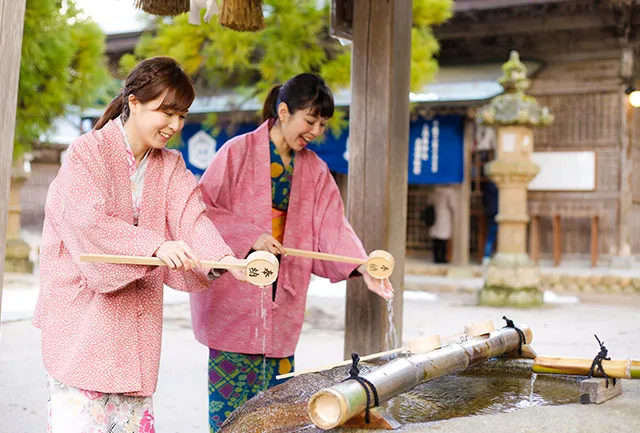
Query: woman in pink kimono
point(262, 190)
point(119, 191)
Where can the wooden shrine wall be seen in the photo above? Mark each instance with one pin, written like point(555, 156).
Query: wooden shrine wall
point(587, 101)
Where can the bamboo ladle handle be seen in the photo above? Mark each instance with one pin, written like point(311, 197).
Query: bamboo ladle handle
point(323, 256)
point(260, 267)
point(379, 264)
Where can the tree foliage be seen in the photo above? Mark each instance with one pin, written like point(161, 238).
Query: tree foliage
point(296, 39)
point(62, 67)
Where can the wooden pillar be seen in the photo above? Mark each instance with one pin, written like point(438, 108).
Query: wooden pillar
point(378, 155)
point(534, 239)
point(557, 240)
point(626, 162)
point(461, 231)
point(11, 25)
point(594, 240)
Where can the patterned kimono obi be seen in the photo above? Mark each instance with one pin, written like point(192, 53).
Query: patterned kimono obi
point(280, 190)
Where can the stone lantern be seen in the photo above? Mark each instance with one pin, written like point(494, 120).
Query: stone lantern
point(17, 250)
point(512, 279)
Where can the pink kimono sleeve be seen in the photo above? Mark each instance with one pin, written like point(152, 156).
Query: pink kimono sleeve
point(187, 221)
point(333, 233)
point(218, 189)
point(79, 209)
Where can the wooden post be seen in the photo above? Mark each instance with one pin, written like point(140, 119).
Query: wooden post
point(594, 240)
point(378, 154)
point(11, 25)
point(557, 240)
point(461, 232)
point(626, 164)
point(534, 239)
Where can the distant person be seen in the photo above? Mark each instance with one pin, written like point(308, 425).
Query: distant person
point(490, 209)
point(443, 201)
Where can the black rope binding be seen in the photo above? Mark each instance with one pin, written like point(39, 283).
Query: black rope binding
point(354, 373)
point(521, 339)
point(597, 362)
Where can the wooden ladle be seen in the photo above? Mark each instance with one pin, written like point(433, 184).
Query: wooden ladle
point(260, 267)
point(379, 264)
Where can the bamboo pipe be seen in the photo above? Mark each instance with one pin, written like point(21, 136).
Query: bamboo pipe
point(626, 369)
point(419, 345)
point(260, 267)
point(379, 264)
point(333, 406)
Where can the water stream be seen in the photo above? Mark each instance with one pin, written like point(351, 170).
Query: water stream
point(391, 337)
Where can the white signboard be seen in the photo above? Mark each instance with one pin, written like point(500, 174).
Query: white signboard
point(564, 171)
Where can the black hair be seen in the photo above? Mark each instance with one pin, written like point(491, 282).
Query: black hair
point(304, 91)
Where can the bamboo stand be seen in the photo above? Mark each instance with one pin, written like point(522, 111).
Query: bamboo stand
point(332, 407)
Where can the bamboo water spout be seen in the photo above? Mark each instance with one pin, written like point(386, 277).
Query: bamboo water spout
point(621, 369)
point(332, 407)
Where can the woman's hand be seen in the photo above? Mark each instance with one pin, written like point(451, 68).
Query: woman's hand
point(237, 273)
point(266, 242)
point(177, 255)
point(382, 288)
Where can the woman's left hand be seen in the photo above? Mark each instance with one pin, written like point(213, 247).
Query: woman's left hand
point(382, 288)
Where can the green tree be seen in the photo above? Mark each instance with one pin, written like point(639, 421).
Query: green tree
point(296, 39)
point(62, 67)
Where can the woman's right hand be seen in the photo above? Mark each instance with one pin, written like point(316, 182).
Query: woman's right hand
point(266, 242)
point(177, 255)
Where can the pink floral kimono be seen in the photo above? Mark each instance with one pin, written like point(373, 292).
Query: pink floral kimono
point(102, 323)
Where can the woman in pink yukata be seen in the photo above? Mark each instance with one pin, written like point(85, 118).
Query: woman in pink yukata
point(264, 190)
point(119, 191)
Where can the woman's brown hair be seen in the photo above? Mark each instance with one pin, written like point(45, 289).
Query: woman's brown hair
point(147, 81)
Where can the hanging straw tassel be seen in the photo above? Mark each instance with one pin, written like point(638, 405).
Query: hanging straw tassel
point(242, 15)
point(163, 7)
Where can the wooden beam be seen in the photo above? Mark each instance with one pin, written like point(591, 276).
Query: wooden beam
point(534, 25)
point(11, 26)
point(342, 19)
point(379, 146)
point(472, 5)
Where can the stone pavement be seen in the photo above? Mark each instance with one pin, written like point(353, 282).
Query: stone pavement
point(574, 278)
point(562, 328)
